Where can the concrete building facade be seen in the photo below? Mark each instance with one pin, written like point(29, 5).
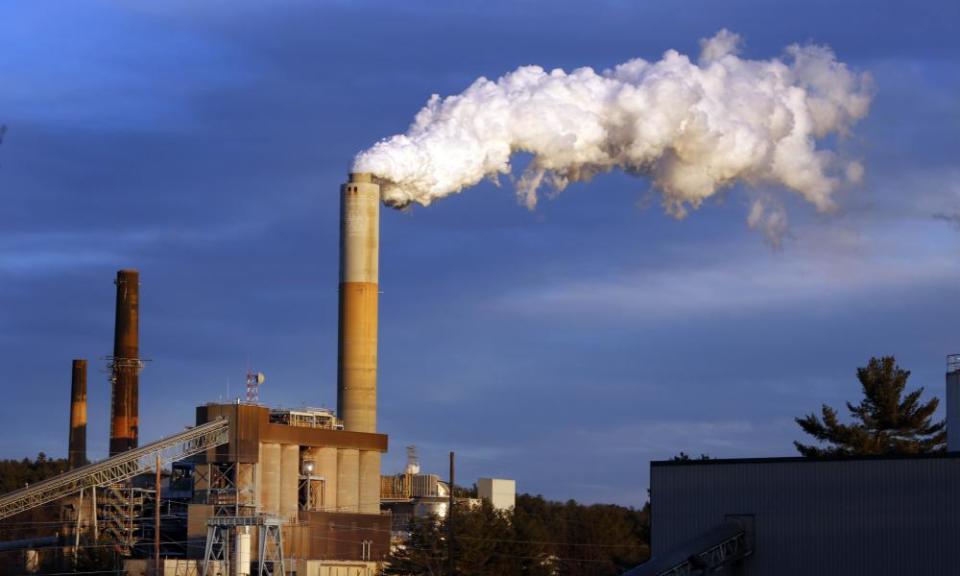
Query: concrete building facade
point(312, 478)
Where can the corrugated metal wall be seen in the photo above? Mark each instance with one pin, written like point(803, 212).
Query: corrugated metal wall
point(953, 410)
point(879, 517)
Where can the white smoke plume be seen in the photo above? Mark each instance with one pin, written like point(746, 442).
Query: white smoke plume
point(693, 127)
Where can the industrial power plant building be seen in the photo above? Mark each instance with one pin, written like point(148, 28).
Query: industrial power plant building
point(250, 489)
point(869, 515)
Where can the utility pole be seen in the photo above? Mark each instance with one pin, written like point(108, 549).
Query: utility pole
point(156, 522)
point(93, 505)
point(450, 518)
point(76, 539)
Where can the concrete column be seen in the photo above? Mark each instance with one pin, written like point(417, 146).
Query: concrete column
point(270, 478)
point(247, 482)
point(348, 480)
point(289, 480)
point(325, 462)
point(369, 482)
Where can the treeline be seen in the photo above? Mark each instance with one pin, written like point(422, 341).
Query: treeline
point(15, 474)
point(538, 538)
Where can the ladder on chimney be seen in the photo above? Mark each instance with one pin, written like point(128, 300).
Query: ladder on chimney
point(118, 468)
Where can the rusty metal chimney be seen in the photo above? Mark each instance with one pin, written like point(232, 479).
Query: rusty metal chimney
point(359, 263)
point(125, 364)
point(77, 447)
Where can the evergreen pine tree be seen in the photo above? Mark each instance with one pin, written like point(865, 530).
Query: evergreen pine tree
point(884, 422)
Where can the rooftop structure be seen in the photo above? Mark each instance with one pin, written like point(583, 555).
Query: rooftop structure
point(306, 418)
point(501, 493)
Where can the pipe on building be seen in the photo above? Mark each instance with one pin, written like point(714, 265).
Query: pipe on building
point(30, 543)
point(77, 445)
point(125, 368)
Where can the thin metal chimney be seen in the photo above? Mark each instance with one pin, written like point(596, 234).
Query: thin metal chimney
point(77, 446)
point(953, 403)
point(125, 364)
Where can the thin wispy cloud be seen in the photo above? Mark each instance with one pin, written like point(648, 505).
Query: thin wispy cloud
point(883, 241)
point(725, 289)
point(55, 252)
point(950, 218)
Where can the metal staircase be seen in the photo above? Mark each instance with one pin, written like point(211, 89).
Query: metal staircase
point(120, 507)
point(118, 468)
point(714, 551)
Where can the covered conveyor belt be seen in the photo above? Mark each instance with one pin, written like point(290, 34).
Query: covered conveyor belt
point(708, 553)
point(118, 468)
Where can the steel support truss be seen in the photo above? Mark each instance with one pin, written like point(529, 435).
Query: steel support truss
point(269, 538)
point(118, 468)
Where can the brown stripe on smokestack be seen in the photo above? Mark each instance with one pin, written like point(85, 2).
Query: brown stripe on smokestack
point(77, 447)
point(359, 262)
point(125, 367)
point(358, 476)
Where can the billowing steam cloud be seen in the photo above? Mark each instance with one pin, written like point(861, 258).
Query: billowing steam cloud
point(694, 128)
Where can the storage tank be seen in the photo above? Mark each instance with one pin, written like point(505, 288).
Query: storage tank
point(270, 478)
point(348, 480)
point(325, 467)
point(289, 480)
point(242, 552)
point(369, 482)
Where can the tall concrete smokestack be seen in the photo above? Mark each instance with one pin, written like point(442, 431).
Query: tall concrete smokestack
point(358, 472)
point(125, 367)
point(359, 265)
point(77, 447)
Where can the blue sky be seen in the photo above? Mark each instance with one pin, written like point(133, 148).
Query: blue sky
point(203, 143)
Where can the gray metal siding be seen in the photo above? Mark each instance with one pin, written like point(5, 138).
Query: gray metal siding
point(892, 517)
point(953, 411)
